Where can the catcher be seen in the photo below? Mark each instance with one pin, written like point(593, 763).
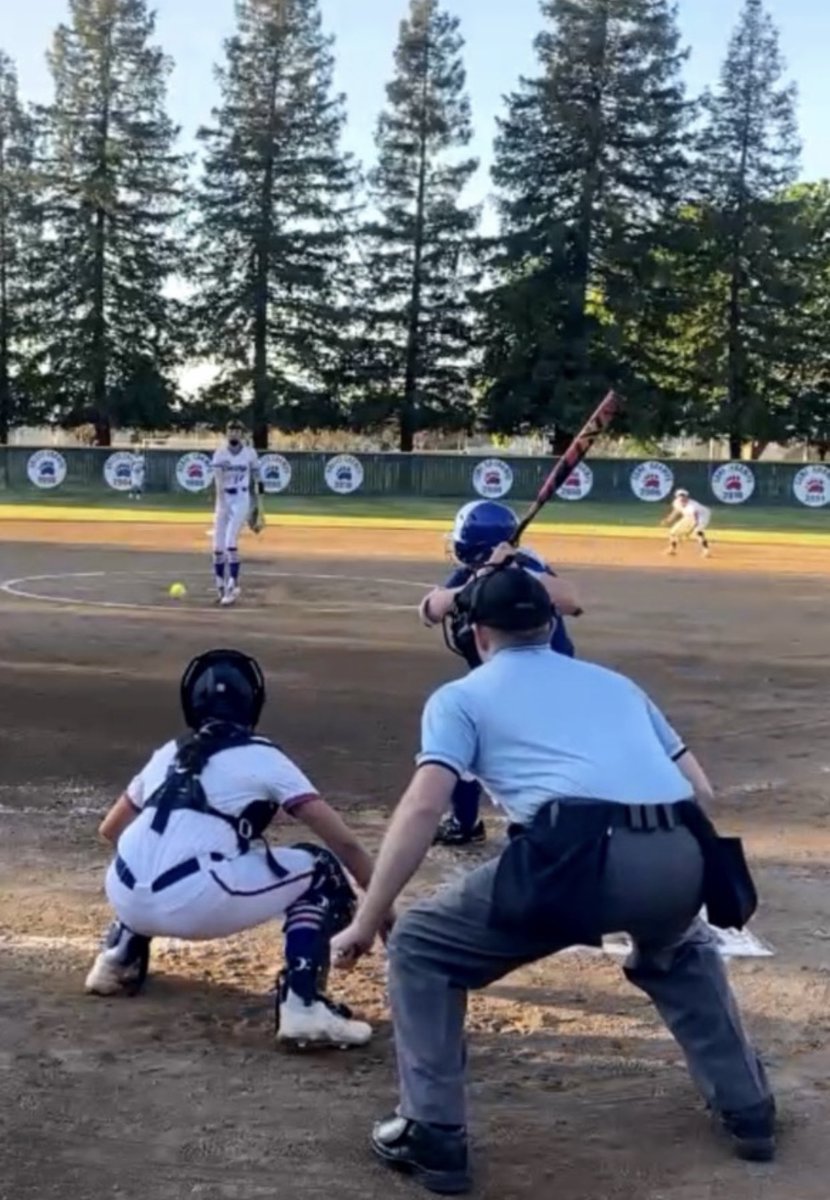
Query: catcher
point(191, 860)
point(482, 535)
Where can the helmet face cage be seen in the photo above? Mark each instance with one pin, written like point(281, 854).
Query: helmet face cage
point(238, 698)
point(479, 528)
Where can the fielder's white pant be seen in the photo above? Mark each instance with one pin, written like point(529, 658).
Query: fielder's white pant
point(687, 526)
point(221, 899)
point(231, 514)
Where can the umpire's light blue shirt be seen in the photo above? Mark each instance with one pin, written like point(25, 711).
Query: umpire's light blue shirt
point(534, 726)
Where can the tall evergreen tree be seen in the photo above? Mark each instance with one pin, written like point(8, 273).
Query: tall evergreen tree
point(590, 161)
point(420, 250)
point(744, 270)
point(113, 195)
point(271, 240)
point(18, 231)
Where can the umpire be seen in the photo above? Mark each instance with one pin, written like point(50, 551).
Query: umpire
point(608, 834)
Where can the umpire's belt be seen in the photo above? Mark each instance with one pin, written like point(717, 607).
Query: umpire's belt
point(182, 870)
point(641, 818)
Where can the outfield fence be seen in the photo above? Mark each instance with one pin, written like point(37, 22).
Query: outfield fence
point(94, 475)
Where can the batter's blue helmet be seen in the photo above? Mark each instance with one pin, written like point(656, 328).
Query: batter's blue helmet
point(479, 527)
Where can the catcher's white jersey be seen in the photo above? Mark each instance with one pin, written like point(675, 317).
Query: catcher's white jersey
point(227, 891)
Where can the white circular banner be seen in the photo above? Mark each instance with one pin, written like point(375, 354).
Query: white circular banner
point(733, 483)
point(46, 469)
point(578, 484)
point(811, 485)
point(118, 470)
point(652, 481)
point(344, 474)
point(194, 472)
point(492, 478)
point(275, 473)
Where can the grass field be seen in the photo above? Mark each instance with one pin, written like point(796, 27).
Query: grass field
point(788, 521)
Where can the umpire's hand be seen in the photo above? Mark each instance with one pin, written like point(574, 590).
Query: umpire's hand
point(357, 939)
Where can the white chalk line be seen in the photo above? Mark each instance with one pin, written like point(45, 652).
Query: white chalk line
point(20, 589)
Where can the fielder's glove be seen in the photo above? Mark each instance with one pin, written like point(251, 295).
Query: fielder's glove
point(256, 516)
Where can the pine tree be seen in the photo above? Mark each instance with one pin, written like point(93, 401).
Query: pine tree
point(589, 164)
point(271, 232)
point(112, 201)
point(420, 250)
point(750, 240)
point(18, 234)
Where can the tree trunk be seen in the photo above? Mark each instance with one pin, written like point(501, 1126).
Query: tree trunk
point(576, 349)
point(5, 380)
point(736, 368)
point(408, 423)
point(261, 381)
point(100, 416)
point(100, 350)
point(757, 449)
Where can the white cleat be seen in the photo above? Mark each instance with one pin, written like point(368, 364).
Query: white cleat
point(108, 978)
point(230, 595)
point(302, 1025)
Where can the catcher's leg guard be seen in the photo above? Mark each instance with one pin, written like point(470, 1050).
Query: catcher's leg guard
point(304, 1012)
point(327, 907)
point(122, 965)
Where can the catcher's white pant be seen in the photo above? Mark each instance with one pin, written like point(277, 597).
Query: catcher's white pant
point(689, 525)
point(221, 899)
point(230, 516)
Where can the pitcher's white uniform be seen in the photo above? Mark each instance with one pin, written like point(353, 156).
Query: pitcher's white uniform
point(226, 891)
point(234, 474)
point(690, 516)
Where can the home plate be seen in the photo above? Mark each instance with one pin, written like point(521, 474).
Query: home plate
point(732, 943)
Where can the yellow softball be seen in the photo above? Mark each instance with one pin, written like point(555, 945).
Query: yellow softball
point(178, 591)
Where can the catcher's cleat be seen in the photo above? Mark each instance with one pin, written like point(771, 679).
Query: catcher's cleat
point(320, 1023)
point(122, 965)
point(452, 833)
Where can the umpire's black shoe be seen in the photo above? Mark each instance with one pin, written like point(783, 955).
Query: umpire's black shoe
point(452, 833)
point(752, 1132)
point(435, 1158)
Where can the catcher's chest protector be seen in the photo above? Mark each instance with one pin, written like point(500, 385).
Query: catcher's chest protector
point(183, 789)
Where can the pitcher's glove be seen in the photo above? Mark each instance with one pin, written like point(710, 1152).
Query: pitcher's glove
point(256, 515)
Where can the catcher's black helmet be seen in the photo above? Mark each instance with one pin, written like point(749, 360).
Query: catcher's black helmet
point(223, 685)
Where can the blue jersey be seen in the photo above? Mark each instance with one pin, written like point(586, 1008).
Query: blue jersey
point(560, 640)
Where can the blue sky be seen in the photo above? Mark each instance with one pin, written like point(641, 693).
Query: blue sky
point(499, 36)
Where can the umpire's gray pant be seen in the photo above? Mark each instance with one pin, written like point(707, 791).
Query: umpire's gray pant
point(651, 889)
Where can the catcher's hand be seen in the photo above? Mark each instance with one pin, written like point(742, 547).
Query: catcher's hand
point(256, 516)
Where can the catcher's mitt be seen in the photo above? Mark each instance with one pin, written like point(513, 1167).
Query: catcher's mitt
point(256, 516)
point(458, 630)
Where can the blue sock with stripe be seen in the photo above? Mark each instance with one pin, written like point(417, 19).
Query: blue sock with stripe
point(305, 948)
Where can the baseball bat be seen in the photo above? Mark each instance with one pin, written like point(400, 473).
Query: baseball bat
point(571, 459)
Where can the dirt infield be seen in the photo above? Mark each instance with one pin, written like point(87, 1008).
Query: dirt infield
point(577, 1091)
